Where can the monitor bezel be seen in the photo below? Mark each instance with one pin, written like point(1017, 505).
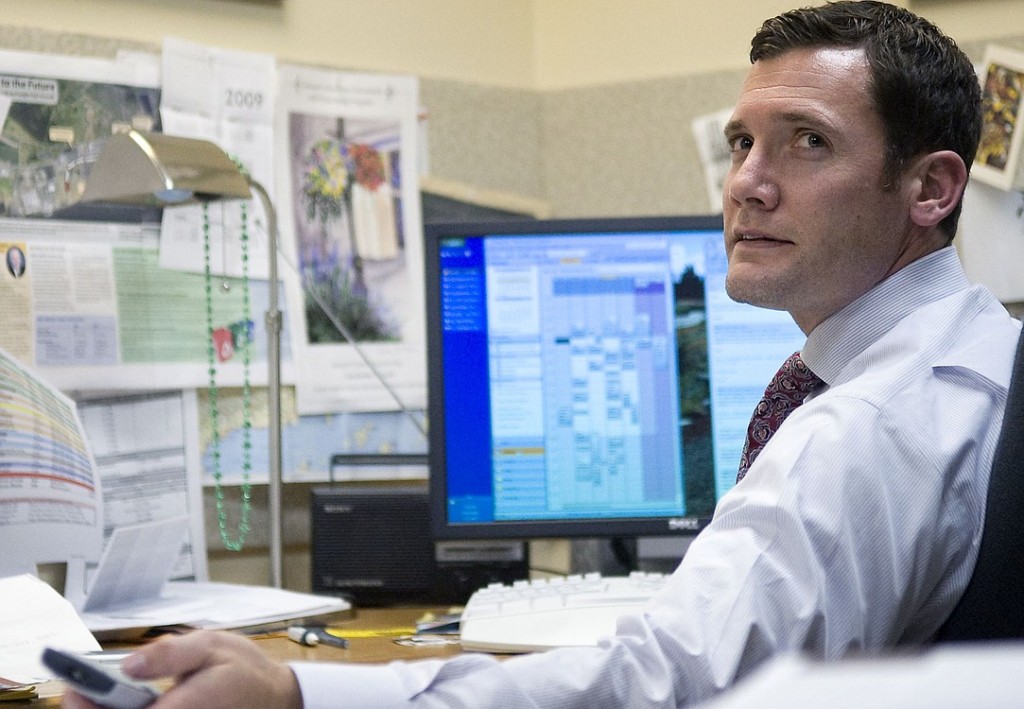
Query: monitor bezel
point(441, 527)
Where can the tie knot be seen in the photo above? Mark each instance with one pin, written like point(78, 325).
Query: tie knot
point(794, 379)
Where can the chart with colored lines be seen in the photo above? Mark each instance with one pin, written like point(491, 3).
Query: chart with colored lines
point(49, 498)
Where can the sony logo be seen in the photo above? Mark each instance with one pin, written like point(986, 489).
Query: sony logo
point(689, 524)
point(353, 583)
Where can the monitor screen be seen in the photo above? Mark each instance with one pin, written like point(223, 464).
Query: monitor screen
point(588, 377)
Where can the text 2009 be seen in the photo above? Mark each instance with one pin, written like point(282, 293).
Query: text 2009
point(234, 98)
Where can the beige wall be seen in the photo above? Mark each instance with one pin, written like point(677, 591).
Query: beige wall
point(480, 41)
point(533, 44)
point(589, 42)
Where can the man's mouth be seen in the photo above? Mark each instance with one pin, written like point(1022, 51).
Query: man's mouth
point(754, 236)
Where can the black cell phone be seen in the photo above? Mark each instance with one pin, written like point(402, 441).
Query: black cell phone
point(103, 684)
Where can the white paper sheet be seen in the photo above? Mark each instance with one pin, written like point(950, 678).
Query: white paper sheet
point(216, 605)
point(136, 563)
point(34, 616)
point(147, 453)
point(226, 97)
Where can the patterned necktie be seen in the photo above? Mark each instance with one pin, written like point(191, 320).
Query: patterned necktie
point(786, 391)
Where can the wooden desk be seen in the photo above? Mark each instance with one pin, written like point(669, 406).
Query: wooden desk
point(375, 648)
point(380, 648)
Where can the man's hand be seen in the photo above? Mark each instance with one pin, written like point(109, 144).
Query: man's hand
point(210, 670)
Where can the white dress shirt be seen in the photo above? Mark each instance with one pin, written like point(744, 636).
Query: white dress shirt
point(856, 529)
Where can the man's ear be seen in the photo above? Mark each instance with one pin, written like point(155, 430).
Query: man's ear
point(937, 182)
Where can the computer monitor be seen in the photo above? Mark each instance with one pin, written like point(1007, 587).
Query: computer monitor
point(588, 377)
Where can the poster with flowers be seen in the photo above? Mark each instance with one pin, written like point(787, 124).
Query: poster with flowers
point(998, 162)
point(353, 215)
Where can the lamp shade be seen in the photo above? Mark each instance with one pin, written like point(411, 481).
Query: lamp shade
point(156, 170)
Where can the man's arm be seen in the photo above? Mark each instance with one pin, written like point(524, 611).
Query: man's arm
point(843, 537)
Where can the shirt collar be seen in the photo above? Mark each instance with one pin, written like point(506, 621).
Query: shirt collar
point(852, 329)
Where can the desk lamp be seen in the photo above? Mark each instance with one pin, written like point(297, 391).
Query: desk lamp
point(156, 170)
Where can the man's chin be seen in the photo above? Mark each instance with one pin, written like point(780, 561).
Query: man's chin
point(754, 293)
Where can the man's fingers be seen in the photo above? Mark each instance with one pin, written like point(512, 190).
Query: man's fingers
point(214, 670)
point(177, 656)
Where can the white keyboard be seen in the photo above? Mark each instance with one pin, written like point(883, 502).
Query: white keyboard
point(547, 613)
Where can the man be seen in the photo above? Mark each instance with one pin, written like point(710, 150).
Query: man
point(15, 261)
point(856, 527)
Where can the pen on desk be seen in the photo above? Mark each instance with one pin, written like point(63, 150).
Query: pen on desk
point(314, 636)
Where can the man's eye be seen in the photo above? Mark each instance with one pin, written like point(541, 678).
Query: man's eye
point(812, 140)
point(739, 143)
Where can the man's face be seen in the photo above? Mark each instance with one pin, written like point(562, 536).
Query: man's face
point(808, 224)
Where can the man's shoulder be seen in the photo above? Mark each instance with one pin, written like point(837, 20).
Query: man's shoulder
point(969, 329)
point(985, 344)
point(954, 359)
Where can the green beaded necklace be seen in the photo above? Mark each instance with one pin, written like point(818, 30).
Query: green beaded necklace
point(235, 544)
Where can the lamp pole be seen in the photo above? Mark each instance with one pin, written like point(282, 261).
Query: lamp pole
point(152, 169)
point(273, 323)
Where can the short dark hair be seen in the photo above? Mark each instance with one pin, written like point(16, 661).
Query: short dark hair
point(924, 87)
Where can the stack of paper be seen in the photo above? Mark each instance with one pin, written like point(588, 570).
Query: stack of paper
point(214, 605)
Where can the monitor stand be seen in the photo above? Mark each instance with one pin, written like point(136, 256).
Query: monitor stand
point(618, 557)
point(662, 553)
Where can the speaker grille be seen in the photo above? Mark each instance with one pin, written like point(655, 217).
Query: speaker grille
point(373, 545)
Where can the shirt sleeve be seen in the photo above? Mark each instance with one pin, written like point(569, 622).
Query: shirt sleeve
point(328, 685)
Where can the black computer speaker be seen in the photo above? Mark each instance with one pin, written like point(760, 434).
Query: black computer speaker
point(373, 545)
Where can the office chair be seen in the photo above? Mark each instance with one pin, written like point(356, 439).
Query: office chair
point(992, 607)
